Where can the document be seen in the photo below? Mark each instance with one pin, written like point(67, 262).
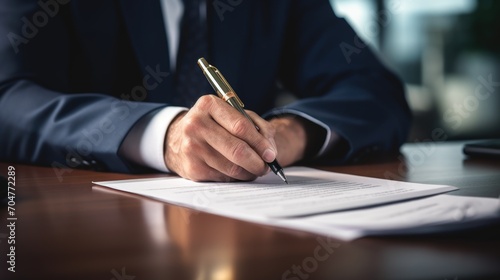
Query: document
point(339, 205)
point(310, 191)
point(441, 213)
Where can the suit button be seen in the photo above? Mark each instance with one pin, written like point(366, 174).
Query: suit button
point(76, 161)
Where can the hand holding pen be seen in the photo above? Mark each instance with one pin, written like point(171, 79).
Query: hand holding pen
point(214, 142)
point(226, 92)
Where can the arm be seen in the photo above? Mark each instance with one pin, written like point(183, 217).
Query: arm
point(345, 109)
point(354, 97)
point(41, 121)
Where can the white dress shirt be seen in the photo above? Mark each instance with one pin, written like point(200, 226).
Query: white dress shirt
point(144, 144)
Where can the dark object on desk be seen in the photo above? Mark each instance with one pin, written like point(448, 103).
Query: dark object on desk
point(484, 149)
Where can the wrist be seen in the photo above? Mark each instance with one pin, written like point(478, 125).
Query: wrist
point(290, 138)
point(298, 138)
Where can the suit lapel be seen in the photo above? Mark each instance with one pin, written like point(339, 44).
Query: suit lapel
point(144, 22)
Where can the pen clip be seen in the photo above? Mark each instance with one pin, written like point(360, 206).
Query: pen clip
point(218, 82)
point(229, 94)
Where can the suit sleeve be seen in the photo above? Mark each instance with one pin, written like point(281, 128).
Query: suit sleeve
point(341, 84)
point(41, 120)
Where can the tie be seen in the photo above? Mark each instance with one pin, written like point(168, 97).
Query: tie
point(190, 81)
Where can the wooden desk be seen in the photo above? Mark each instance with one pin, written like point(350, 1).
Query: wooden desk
point(68, 229)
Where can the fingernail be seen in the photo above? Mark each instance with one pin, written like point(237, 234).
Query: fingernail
point(269, 155)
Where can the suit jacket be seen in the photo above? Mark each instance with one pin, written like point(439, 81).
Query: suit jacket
point(75, 76)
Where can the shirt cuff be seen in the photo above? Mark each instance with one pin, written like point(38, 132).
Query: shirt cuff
point(331, 136)
point(144, 144)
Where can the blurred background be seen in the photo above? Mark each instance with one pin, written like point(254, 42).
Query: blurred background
point(448, 54)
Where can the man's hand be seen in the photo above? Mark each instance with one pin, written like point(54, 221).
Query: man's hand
point(291, 139)
point(214, 142)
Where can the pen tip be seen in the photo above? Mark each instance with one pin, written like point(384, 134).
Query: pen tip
point(282, 176)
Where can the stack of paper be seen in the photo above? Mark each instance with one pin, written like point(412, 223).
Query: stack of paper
point(325, 202)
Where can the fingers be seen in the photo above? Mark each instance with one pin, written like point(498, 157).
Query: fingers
point(194, 159)
point(266, 129)
point(227, 168)
point(236, 151)
point(238, 125)
point(215, 142)
point(231, 148)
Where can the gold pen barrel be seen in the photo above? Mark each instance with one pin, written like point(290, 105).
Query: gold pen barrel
point(218, 82)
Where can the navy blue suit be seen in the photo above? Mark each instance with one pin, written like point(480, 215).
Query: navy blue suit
point(64, 84)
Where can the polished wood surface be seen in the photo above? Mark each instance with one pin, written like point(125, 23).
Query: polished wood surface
point(67, 228)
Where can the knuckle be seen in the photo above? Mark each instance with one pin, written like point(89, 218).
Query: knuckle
point(261, 144)
point(205, 102)
point(240, 126)
point(240, 151)
point(191, 126)
point(234, 171)
point(187, 145)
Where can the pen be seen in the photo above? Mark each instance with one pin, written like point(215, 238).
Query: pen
point(226, 92)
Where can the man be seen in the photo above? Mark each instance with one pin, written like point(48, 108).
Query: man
point(107, 85)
